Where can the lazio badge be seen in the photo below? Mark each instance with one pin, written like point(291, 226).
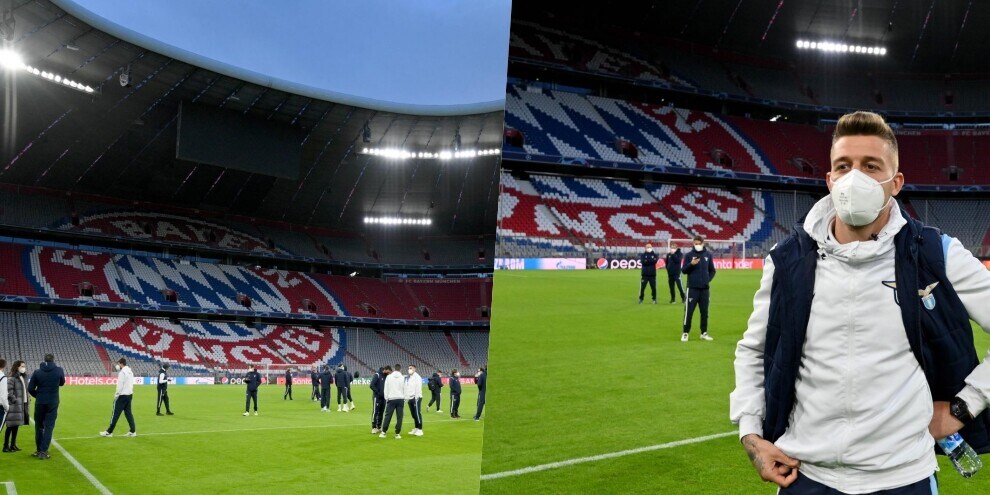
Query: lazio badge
point(927, 298)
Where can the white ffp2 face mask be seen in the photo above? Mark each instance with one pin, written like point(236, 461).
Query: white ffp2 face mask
point(858, 199)
point(699, 247)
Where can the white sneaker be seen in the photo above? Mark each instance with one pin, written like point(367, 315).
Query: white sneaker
point(705, 336)
point(382, 435)
point(439, 410)
point(323, 409)
point(418, 432)
point(245, 413)
point(338, 408)
point(256, 413)
point(398, 436)
point(130, 434)
point(374, 430)
point(105, 434)
point(684, 337)
point(352, 406)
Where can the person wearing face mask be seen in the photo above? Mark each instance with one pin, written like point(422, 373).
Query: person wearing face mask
point(4, 398)
point(859, 352)
point(122, 399)
point(414, 396)
point(455, 393)
point(340, 379)
point(20, 405)
point(481, 379)
point(378, 399)
point(326, 379)
point(672, 262)
point(700, 271)
point(253, 381)
point(648, 272)
point(314, 378)
point(163, 390)
point(44, 387)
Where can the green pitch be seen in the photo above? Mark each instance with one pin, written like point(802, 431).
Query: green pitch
point(209, 447)
point(579, 369)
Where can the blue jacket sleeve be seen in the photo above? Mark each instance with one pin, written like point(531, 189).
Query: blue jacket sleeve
point(711, 270)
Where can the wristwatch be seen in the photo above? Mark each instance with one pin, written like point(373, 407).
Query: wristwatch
point(959, 410)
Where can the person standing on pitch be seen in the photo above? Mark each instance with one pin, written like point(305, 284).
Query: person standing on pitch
point(253, 381)
point(4, 397)
point(648, 273)
point(395, 398)
point(163, 390)
point(378, 400)
point(43, 386)
point(455, 393)
point(340, 380)
point(326, 379)
point(414, 396)
point(673, 266)
point(20, 405)
point(122, 400)
point(481, 378)
point(435, 383)
point(700, 270)
point(350, 379)
point(288, 385)
point(314, 378)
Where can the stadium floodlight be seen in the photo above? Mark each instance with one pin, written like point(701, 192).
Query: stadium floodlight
point(836, 47)
point(388, 220)
point(11, 60)
point(401, 154)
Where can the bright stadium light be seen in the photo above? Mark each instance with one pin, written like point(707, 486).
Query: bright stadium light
point(401, 154)
point(10, 60)
point(834, 47)
point(387, 220)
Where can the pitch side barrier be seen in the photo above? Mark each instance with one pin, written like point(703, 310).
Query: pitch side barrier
point(612, 264)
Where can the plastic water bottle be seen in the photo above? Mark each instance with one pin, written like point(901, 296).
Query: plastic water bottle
point(963, 457)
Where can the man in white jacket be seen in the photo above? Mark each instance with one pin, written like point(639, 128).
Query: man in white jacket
point(395, 393)
point(414, 395)
point(859, 415)
point(122, 399)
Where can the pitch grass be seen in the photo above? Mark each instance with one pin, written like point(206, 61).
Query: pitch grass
point(579, 369)
point(209, 448)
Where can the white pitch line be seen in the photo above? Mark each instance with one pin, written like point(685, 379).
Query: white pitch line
point(600, 457)
point(242, 429)
point(9, 485)
point(85, 472)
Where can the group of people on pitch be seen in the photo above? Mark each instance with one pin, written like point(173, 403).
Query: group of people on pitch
point(699, 267)
point(391, 391)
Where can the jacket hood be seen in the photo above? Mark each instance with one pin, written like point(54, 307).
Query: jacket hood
point(818, 224)
point(47, 367)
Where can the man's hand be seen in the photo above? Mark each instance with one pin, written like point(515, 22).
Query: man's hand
point(943, 422)
point(772, 464)
point(695, 261)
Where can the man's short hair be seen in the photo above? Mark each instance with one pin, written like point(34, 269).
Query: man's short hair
point(387, 368)
point(122, 361)
point(49, 358)
point(453, 371)
point(866, 124)
point(397, 366)
point(698, 238)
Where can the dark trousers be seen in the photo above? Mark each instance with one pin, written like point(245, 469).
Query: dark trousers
point(672, 281)
point(122, 405)
point(349, 398)
point(805, 486)
point(416, 409)
point(696, 298)
point(163, 399)
point(653, 287)
point(378, 410)
point(341, 395)
point(434, 397)
point(44, 425)
point(10, 436)
point(394, 405)
point(288, 391)
point(481, 405)
point(316, 392)
point(324, 396)
point(455, 403)
point(251, 395)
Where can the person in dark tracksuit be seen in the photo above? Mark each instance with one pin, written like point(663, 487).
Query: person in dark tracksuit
point(455, 393)
point(340, 380)
point(700, 270)
point(288, 385)
point(481, 378)
point(648, 273)
point(378, 400)
point(673, 265)
point(435, 383)
point(253, 381)
point(350, 379)
point(326, 379)
point(43, 386)
point(163, 390)
point(314, 377)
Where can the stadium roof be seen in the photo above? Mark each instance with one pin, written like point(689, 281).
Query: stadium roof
point(121, 142)
point(920, 36)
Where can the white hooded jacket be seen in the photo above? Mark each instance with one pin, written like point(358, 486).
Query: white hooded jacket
point(862, 403)
point(125, 382)
point(414, 386)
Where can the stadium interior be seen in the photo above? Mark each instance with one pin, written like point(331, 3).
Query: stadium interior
point(134, 223)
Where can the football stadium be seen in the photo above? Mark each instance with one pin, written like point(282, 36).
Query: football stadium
point(661, 121)
point(170, 207)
